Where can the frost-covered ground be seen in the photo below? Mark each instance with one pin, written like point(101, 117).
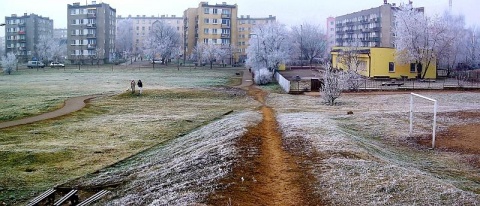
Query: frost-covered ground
point(366, 158)
point(180, 172)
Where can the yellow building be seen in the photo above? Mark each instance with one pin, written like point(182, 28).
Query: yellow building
point(380, 62)
point(219, 24)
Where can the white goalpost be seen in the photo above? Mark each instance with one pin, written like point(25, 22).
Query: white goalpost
point(434, 115)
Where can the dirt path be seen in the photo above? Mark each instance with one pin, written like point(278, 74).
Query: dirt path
point(266, 174)
point(70, 105)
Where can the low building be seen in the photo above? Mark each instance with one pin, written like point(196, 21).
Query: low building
point(380, 62)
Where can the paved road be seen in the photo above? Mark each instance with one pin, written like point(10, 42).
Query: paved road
point(70, 105)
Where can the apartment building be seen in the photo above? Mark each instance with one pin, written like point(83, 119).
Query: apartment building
point(245, 28)
point(23, 32)
point(2, 46)
point(330, 33)
point(60, 35)
point(91, 32)
point(210, 23)
point(142, 25)
point(368, 28)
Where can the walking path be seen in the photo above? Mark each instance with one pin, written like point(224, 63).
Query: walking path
point(71, 105)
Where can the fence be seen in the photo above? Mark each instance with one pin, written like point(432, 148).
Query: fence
point(412, 84)
point(284, 83)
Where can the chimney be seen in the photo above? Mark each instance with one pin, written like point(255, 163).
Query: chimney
point(385, 2)
point(224, 3)
point(25, 14)
point(94, 2)
point(248, 16)
point(144, 16)
point(269, 16)
point(241, 16)
point(163, 16)
point(173, 16)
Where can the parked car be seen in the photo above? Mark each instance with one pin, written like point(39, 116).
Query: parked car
point(35, 64)
point(56, 64)
point(156, 61)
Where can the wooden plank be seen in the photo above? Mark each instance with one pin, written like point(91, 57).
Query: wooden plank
point(93, 198)
point(66, 197)
point(47, 194)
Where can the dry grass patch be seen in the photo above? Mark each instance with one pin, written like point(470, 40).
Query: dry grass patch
point(108, 130)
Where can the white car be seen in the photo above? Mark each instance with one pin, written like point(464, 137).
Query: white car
point(56, 64)
point(156, 61)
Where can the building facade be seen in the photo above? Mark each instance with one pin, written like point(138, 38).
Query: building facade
point(91, 32)
point(367, 28)
point(60, 35)
point(22, 33)
point(330, 34)
point(220, 24)
point(245, 28)
point(216, 24)
point(141, 26)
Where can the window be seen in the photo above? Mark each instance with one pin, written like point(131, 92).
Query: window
point(225, 41)
point(214, 41)
point(412, 68)
point(206, 21)
point(215, 11)
point(391, 67)
point(205, 41)
point(138, 28)
point(143, 28)
point(206, 11)
point(225, 11)
point(226, 22)
point(225, 31)
point(214, 31)
point(205, 31)
point(215, 21)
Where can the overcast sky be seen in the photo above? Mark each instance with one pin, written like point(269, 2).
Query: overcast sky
point(287, 11)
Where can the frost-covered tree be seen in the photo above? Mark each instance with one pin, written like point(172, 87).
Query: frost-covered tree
point(417, 38)
point(124, 37)
point(263, 76)
point(211, 52)
point(451, 47)
point(45, 48)
point(350, 58)
point(269, 46)
point(311, 40)
point(334, 82)
point(471, 42)
point(197, 53)
point(9, 62)
point(163, 41)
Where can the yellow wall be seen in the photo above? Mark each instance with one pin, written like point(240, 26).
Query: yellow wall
point(379, 63)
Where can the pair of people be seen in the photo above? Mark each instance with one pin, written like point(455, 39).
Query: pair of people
point(139, 84)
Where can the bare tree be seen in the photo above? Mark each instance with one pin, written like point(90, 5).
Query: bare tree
point(197, 53)
point(271, 46)
point(45, 48)
point(417, 38)
point(311, 40)
point(163, 41)
point(9, 62)
point(350, 58)
point(124, 37)
point(450, 48)
point(334, 82)
point(211, 52)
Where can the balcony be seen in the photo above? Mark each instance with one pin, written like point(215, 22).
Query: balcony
point(364, 21)
point(225, 16)
point(21, 32)
point(91, 46)
point(350, 23)
point(224, 36)
point(91, 36)
point(225, 26)
point(22, 40)
point(350, 31)
point(340, 32)
point(91, 25)
point(91, 15)
point(376, 29)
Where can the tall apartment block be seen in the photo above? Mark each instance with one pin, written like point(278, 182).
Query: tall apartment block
point(371, 27)
point(91, 32)
point(245, 28)
point(142, 25)
point(215, 24)
point(330, 33)
point(23, 32)
point(60, 35)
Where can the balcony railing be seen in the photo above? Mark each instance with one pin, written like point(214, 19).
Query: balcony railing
point(21, 32)
point(91, 25)
point(91, 46)
point(376, 29)
point(91, 36)
point(350, 31)
point(225, 36)
point(225, 16)
point(225, 26)
point(350, 23)
point(91, 15)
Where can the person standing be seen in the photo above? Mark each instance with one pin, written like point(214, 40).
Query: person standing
point(132, 86)
point(140, 85)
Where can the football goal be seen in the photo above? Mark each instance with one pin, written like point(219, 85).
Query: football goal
point(412, 95)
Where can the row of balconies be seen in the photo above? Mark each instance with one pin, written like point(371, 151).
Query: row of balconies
point(364, 39)
point(88, 35)
point(362, 21)
point(364, 30)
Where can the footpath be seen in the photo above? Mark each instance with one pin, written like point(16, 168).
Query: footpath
point(70, 105)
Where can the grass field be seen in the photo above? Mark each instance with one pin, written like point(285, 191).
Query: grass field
point(112, 127)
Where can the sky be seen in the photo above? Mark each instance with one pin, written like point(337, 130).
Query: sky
point(287, 11)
